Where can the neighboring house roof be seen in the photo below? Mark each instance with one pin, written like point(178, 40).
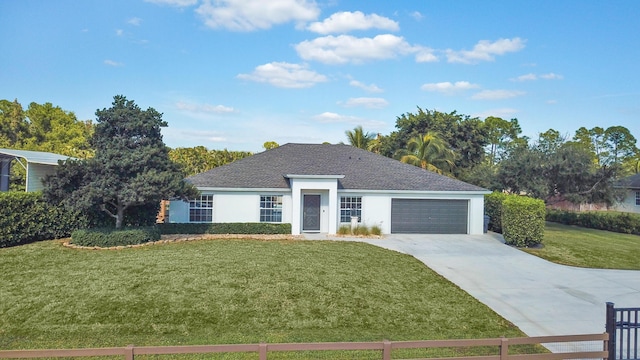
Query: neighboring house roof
point(362, 170)
point(34, 157)
point(630, 182)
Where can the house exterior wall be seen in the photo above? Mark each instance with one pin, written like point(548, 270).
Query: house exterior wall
point(178, 212)
point(629, 202)
point(234, 206)
point(244, 206)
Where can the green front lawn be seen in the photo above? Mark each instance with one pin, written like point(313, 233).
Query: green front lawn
point(583, 247)
point(229, 291)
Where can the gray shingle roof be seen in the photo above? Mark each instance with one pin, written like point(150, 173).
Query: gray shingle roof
point(631, 182)
point(362, 170)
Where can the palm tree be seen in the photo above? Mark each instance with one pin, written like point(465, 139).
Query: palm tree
point(430, 152)
point(358, 138)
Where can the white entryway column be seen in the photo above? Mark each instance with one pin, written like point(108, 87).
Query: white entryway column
point(324, 185)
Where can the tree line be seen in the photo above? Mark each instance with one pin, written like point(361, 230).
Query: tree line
point(491, 153)
point(495, 155)
point(49, 128)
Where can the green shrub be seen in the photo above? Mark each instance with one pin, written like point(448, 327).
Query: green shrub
point(376, 230)
point(626, 223)
point(493, 208)
point(108, 237)
point(224, 228)
point(26, 217)
point(523, 221)
point(562, 216)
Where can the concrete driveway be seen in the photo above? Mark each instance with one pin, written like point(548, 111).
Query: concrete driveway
point(540, 297)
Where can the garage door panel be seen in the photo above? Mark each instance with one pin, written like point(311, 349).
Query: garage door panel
point(429, 216)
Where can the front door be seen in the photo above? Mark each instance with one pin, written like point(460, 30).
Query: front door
point(311, 213)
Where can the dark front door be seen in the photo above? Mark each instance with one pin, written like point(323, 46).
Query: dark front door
point(311, 213)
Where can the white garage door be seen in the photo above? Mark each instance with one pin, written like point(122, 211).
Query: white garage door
point(429, 216)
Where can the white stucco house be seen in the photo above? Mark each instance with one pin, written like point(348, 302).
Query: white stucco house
point(631, 201)
point(318, 187)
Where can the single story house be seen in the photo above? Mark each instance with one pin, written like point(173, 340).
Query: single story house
point(37, 164)
point(631, 201)
point(319, 187)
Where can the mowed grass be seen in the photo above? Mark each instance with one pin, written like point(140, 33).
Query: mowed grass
point(229, 291)
point(590, 248)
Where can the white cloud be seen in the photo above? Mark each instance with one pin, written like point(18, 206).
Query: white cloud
point(531, 76)
point(113, 63)
point(203, 108)
point(370, 103)
point(135, 21)
point(497, 94)
point(552, 102)
point(373, 88)
point(485, 50)
point(177, 3)
point(342, 22)
point(333, 118)
point(526, 77)
point(248, 15)
point(285, 75)
point(552, 76)
point(344, 49)
point(425, 54)
point(417, 15)
point(449, 87)
point(119, 32)
point(200, 136)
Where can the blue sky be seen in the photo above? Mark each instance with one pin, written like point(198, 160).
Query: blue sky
point(236, 73)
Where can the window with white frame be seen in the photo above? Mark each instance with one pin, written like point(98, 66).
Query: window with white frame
point(201, 209)
point(350, 206)
point(637, 198)
point(271, 208)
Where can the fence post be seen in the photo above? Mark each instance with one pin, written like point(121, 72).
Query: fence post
point(386, 350)
point(504, 348)
point(262, 351)
point(611, 330)
point(128, 352)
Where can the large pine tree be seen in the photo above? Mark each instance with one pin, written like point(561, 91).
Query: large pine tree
point(131, 166)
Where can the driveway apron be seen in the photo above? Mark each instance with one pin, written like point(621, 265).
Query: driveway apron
point(540, 297)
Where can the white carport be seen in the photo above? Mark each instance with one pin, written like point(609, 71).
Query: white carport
point(37, 164)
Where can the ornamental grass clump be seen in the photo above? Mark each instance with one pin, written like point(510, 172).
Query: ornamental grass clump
point(360, 230)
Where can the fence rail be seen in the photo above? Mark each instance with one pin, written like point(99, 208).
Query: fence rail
point(385, 347)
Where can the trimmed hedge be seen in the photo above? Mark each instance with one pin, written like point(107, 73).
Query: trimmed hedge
point(108, 237)
point(26, 217)
point(224, 228)
point(523, 221)
point(626, 223)
point(493, 208)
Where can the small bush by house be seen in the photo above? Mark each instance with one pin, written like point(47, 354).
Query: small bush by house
point(109, 237)
point(224, 228)
point(523, 221)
